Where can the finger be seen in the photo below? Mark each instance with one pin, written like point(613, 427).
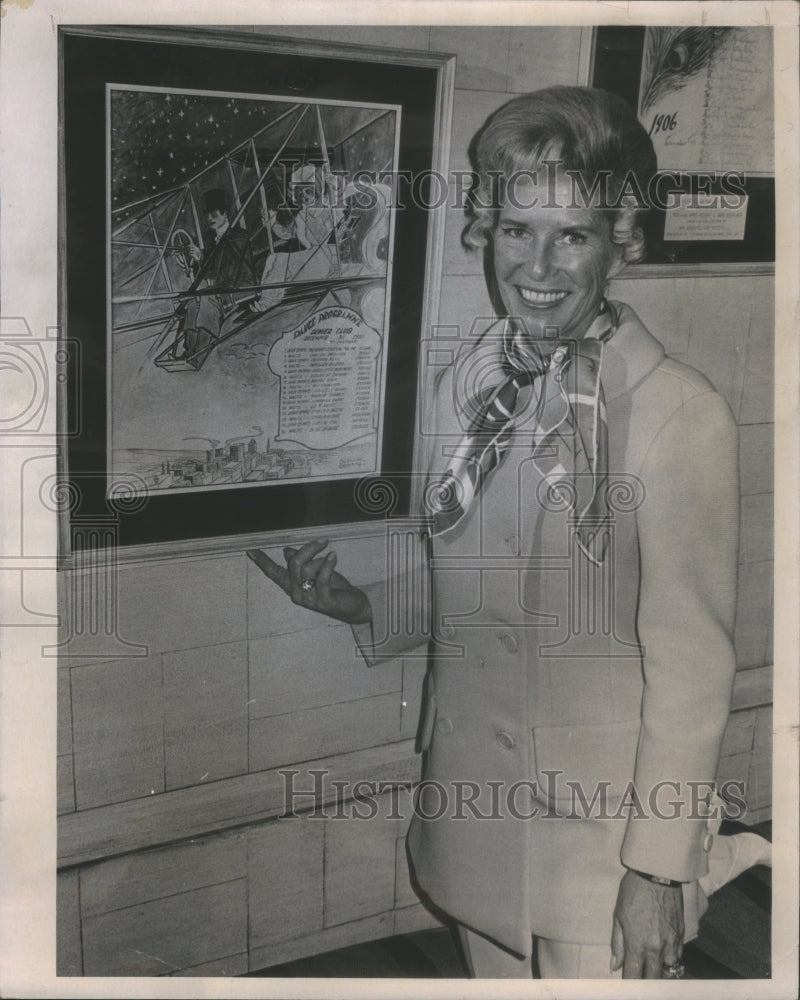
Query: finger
point(308, 571)
point(652, 966)
point(324, 578)
point(296, 558)
point(295, 570)
point(310, 596)
point(632, 966)
point(310, 568)
point(270, 568)
point(617, 947)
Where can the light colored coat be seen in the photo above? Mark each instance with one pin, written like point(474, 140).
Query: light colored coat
point(548, 668)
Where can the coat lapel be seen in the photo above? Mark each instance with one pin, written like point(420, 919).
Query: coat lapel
point(631, 354)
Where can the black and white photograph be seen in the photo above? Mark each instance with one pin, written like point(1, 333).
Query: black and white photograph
point(400, 450)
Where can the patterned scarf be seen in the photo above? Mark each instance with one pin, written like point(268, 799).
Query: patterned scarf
point(569, 420)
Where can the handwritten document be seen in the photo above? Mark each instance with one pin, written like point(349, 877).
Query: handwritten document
point(329, 380)
point(706, 98)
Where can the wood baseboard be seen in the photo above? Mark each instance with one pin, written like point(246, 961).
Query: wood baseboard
point(108, 831)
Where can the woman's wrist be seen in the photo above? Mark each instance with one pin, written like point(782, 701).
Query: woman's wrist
point(362, 614)
point(657, 879)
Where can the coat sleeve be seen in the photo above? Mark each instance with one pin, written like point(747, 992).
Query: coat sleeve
point(688, 530)
point(401, 616)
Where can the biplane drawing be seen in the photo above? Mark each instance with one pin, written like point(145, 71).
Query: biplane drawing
point(292, 212)
point(233, 220)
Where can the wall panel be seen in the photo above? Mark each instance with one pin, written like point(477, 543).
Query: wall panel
point(205, 714)
point(117, 711)
point(69, 955)
point(289, 673)
point(147, 875)
point(360, 861)
point(285, 868)
point(319, 732)
point(169, 934)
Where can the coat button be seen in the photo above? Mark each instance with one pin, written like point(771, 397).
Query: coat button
point(708, 841)
point(506, 740)
point(509, 643)
point(444, 726)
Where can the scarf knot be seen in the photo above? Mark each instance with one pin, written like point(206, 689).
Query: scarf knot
point(569, 433)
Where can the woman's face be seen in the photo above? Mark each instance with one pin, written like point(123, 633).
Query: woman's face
point(552, 259)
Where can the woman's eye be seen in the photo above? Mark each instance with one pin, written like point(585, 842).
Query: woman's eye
point(514, 232)
point(573, 239)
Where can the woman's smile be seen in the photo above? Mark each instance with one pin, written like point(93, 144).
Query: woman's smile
point(540, 299)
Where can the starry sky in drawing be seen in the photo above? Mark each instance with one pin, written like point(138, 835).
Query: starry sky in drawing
point(161, 140)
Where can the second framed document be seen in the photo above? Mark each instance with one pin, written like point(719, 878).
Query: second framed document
point(705, 96)
point(249, 260)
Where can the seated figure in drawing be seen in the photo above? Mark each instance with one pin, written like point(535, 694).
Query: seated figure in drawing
point(224, 266)
point(303, 246)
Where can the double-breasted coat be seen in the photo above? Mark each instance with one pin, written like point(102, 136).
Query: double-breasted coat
point(579, 707)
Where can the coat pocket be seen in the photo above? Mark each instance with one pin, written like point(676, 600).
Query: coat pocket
point(575, 764)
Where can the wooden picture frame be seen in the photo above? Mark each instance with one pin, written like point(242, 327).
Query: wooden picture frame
point(239, 380)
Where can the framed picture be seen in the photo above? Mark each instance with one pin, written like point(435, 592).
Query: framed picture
point(248, 266)
point(704, 94)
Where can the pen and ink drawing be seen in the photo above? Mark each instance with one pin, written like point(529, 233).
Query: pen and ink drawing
point(232, 220)
point(673, 57)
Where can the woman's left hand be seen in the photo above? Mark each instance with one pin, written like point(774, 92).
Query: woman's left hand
point(648, 928)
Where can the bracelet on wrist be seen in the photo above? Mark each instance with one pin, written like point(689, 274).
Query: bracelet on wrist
point(657, 879)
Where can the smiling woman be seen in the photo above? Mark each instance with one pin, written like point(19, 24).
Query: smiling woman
point(558, 202)
point(583, 518)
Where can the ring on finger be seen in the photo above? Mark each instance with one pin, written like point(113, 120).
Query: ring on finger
point(676, 970)
point(307, 585)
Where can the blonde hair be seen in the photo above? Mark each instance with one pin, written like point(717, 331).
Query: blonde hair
point(590, 132)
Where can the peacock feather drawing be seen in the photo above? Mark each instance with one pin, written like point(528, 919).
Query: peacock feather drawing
point(673, 56)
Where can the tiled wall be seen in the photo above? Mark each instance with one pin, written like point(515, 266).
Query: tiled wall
point(238, 901)
point(235, 681)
